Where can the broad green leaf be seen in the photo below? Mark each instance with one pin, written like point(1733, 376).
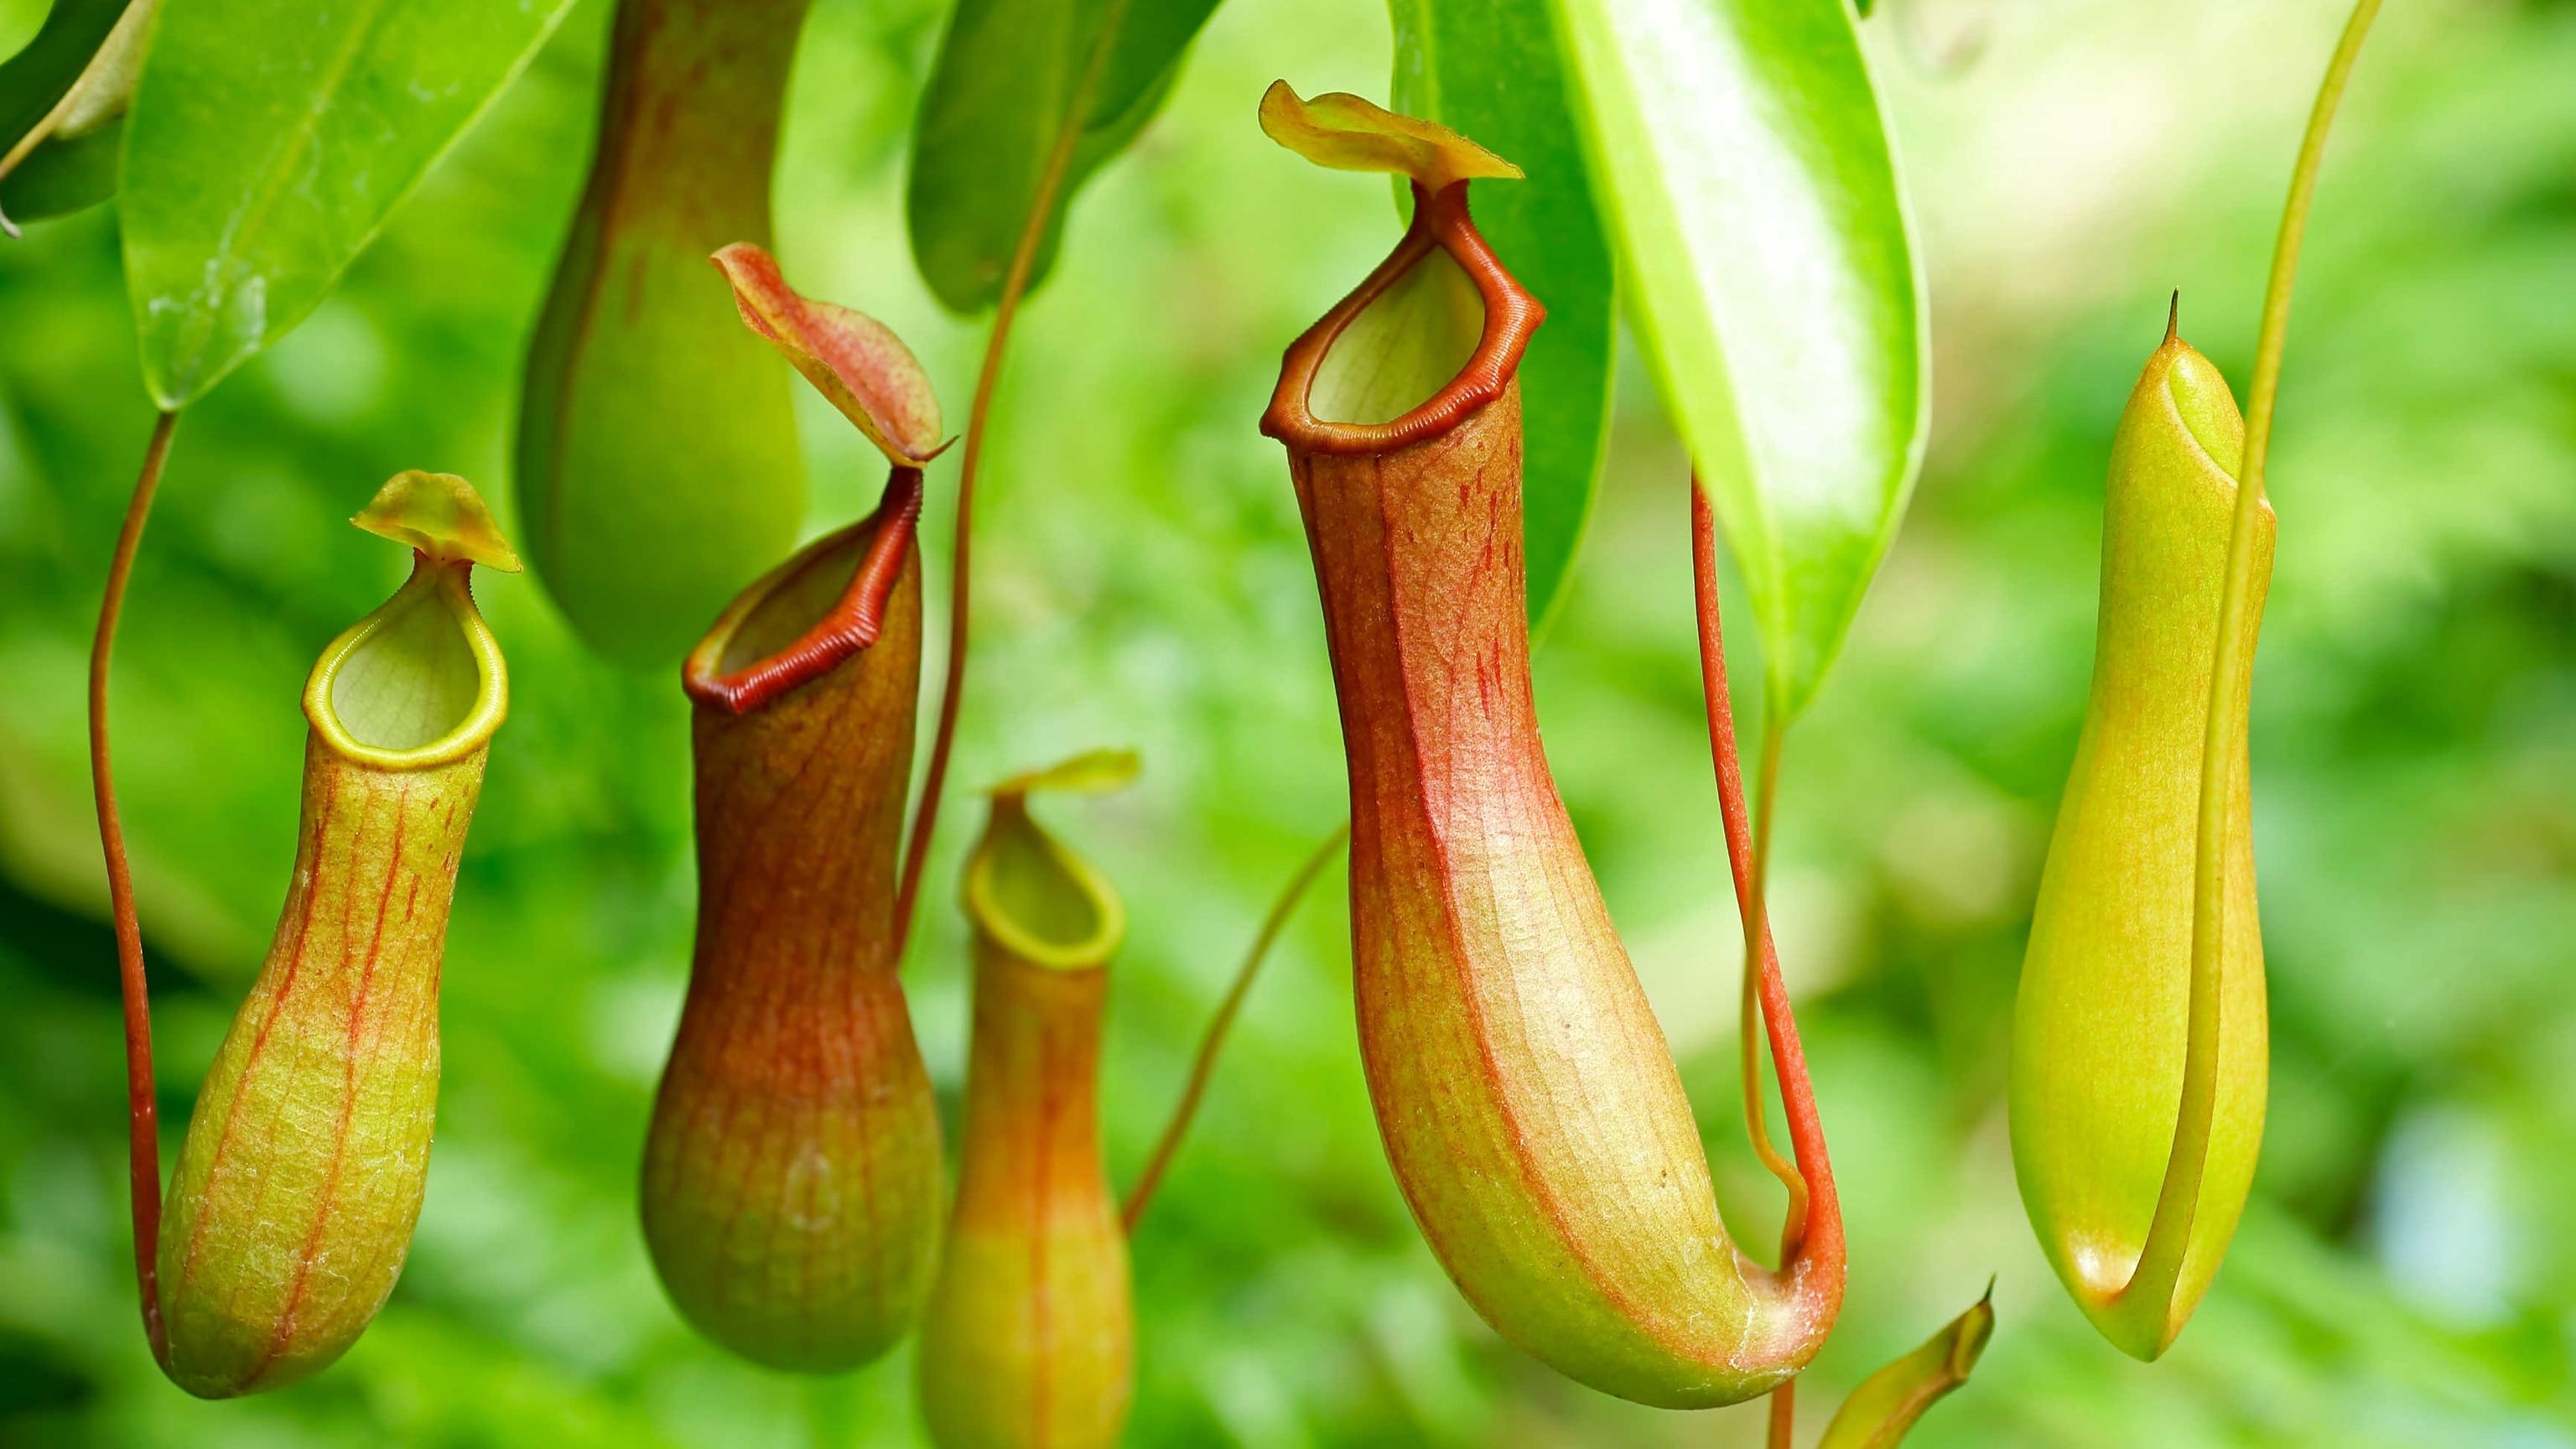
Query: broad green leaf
point(269, 140)
point(36, 79)
point(59, 178)
point(1489, 70)
point(1741, 157)
point(1013, 77)
point(59, 123)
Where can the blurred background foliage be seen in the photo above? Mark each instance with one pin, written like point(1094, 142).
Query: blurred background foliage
point(2406, 1275)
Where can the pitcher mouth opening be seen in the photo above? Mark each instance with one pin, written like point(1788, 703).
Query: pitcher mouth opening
point(1380, 370)
point(1039, 900)
point(417, 683)
point(802, 619)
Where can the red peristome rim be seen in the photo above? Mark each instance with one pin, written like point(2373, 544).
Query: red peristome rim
point(849, 626)
point(1511, 314)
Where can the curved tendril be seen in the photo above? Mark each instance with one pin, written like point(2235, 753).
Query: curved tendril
point(143, 1158)
point(1006, 310)
point(1815, 1215)
point(1186, 1110)
point(1752, 900)
point(1754, 907)
point(1766, 794)
point(2153, 1283)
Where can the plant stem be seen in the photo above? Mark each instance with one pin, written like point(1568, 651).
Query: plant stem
point(1006, 309)
point(1218, 1025)
point(1755, 908)
point(2159, 1271)
point(143, 1151)
point(1793, 1221)
point(1812, 1199)
point(1757, 920)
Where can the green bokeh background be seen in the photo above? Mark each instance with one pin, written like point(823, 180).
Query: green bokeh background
point(2407, 1273)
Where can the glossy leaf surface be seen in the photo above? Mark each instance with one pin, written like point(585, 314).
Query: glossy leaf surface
point(270, 139)
point(1491, 70)
point(34, 81)
point(62, 105)
point(1012, 79)
point(61, 177)
point(1746, 172)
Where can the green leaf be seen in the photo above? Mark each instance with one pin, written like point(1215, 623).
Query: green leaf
point(1489, 70)
point(1013, 78)
point(61, 177)
point(43, 72)
point(59, 123)
point(269, 140)
point(1742, 159)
